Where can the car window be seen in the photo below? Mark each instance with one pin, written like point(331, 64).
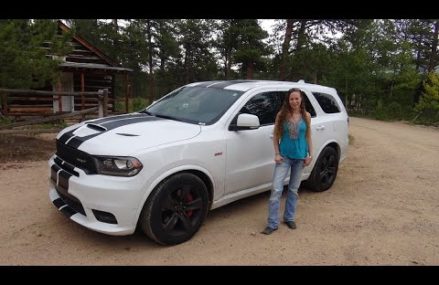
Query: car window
point(309, 107)
point(265, 106)
point(327, 102)
point(198, 105)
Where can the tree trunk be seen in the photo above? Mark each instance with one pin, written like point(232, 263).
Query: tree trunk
point(162, 63)
point(117, 43)
point(116, 25)
point(418, 60)
point(226, 65)
point(162, 50)
point(347, 99)
point(301, 35)
point(187, 67)
point(433, 55)
point(226, 69)
point(250, 68)
point(285, 48)
point(150, 61)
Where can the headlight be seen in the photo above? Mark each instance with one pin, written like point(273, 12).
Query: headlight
point(118, 166)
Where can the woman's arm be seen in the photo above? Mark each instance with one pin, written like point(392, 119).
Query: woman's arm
point(277, 156)
point(308, 159)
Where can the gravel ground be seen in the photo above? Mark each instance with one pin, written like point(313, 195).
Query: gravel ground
point(382, 210)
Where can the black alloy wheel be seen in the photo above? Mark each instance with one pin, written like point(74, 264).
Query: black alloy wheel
point(325, 171)
point(176, 209)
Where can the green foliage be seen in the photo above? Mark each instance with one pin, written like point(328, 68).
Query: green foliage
point(139, 104)
point(5, 120)
point(249, 48)
point(23, 60)
point(311, 64)
point(428, 106)
point(376, 65)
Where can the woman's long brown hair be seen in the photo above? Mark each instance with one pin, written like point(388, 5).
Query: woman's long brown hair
point(286, 109)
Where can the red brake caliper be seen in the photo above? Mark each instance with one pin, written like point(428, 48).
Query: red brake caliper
point(188, 199)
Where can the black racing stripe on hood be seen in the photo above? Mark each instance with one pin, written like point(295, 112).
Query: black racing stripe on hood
point(77, 141)
point(111, 125)
point(65, 137)
point(121, 117)
point(127, 121)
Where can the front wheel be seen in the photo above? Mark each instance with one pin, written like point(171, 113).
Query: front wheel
point(175, 210)
point(325, 170)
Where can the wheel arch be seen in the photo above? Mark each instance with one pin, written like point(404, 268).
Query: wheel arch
point(310, 182)
point(202, 173)
point(332, 144)
point(335, 146)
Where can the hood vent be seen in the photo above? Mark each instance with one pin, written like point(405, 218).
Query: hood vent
point(127, 135)
point(96, 127)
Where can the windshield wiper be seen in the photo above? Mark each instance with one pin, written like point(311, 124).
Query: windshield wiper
point(167, 117)
point(147, 112)
point(177, 119)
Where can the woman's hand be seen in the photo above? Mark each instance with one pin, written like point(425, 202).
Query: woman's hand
point(278, 158)
point(307, 160)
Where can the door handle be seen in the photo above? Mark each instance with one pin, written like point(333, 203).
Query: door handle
point(320, 128)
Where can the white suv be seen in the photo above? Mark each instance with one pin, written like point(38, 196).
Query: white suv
point(200, 147)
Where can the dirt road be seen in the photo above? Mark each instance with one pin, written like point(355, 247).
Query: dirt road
point(382, 210)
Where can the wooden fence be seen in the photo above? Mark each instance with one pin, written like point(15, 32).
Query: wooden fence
point(101, 99)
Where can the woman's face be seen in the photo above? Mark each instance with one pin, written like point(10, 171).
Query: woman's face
point(295, 100)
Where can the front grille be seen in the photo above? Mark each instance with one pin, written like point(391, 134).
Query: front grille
point(65, 166)
point(76, 157)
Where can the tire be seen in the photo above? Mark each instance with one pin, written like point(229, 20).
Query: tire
point(176, 209)
point(325, 171)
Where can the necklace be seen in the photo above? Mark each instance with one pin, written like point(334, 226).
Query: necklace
point(293, 127)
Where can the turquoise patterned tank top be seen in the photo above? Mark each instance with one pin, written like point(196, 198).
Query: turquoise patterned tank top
point(293, 142)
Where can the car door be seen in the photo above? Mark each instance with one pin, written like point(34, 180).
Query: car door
point(321, 128)
point(250, 153)
point(335, 117)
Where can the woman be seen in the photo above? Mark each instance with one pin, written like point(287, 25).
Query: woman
point(293, 151)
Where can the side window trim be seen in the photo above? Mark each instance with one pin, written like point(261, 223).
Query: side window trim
point(270, 94)
point(329, 105)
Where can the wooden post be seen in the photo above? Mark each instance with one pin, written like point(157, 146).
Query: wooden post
point(82, 90)
point(4, 104)
point(59, 89)
point(101, 103)
point(105, 102)
point(113, 92)
point(126, 93)
point(82, 95)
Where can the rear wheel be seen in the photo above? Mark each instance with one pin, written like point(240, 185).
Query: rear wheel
point(325, 171)
point(176, 209)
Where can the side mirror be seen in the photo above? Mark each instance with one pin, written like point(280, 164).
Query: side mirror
point(246, 122)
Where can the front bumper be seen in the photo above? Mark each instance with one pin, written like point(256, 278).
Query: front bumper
point(80, 196)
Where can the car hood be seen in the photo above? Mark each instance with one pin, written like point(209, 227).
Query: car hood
point(125, 134)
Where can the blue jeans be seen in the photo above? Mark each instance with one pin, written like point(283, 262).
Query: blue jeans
point(280, 173)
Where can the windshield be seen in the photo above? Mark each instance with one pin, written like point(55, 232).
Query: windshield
point(199, 105)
